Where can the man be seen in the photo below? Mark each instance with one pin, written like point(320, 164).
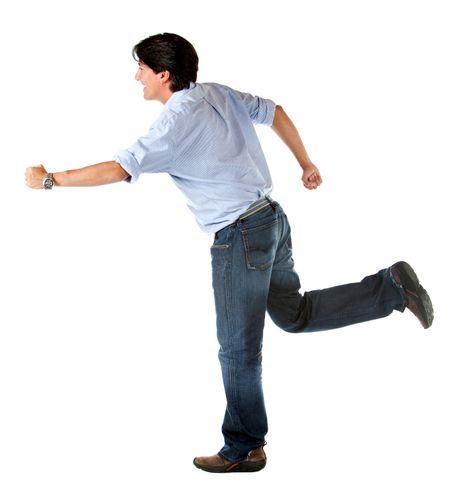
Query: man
point(205, 139)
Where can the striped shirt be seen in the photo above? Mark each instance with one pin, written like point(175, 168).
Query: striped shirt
point(205, 140)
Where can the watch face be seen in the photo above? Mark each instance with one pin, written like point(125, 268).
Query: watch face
point(48, 183)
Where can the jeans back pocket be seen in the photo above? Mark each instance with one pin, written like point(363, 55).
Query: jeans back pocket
point(260, 244)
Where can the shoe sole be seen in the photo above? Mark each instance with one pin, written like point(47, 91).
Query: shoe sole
point(411, 283)
point(244, 466)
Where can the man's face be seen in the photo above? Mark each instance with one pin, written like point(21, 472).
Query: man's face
point(150, 80)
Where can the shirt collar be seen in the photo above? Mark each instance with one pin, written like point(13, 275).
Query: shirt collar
point(178, 95)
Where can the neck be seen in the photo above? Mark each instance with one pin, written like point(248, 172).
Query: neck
point(165, 95)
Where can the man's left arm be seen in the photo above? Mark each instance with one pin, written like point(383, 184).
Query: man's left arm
point(286, 130)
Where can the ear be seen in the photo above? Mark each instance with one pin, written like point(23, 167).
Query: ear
point(164, 77)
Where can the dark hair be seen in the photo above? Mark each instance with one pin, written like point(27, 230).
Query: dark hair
point(169, 52)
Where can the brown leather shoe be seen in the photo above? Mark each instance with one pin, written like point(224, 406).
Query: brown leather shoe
point(417, 299)
point(255, 461)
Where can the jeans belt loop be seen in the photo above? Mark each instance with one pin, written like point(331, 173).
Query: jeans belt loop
point(271, 202)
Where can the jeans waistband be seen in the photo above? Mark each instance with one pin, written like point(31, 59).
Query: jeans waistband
point(254, 208)
point(257, 206)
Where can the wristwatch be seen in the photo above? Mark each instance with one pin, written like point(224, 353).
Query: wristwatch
point(48, 181)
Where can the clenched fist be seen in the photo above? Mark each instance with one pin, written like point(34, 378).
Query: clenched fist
point(311, 177)
point(34, 177)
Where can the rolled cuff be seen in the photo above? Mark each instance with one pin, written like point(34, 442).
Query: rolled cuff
point(129, 164)
point(270, 113)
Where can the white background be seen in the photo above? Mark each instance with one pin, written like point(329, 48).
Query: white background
point(109, 378)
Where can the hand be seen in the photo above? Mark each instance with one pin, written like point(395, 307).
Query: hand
point(311, 177)
point(34, 176)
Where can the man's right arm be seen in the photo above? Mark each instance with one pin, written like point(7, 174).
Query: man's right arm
point(92, 175)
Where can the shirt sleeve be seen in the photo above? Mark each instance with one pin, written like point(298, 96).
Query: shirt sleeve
point(261, 111)
point(150, 153)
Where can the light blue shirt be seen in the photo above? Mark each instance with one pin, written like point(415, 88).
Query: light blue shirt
point(206, 140)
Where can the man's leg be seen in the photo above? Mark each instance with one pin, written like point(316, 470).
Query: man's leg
point(374, 297)
point(242, 257)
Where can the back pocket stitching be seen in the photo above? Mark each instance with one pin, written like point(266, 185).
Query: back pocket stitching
point(248, 249)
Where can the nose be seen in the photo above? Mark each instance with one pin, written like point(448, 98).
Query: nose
point(137, 76)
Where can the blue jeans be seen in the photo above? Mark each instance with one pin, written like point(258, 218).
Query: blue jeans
point(253, 272)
